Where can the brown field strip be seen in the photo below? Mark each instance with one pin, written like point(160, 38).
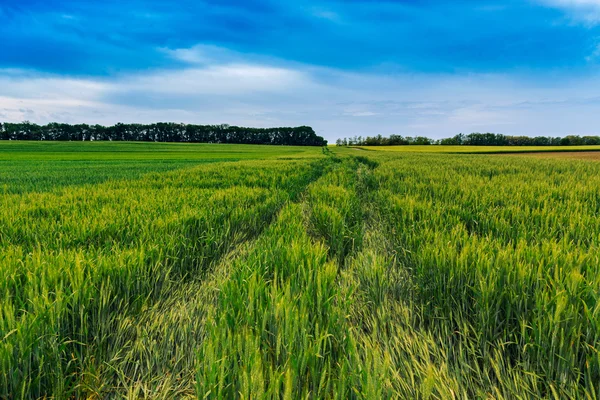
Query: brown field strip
point(580, 155)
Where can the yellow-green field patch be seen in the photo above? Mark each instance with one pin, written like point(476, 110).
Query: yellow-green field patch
point(477, 149)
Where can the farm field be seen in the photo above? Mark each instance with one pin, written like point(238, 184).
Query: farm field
point(49, 165)
point(580, 155)
point(240, 271)
point(478, 149)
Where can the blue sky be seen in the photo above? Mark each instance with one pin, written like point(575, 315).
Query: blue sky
point(355, 67)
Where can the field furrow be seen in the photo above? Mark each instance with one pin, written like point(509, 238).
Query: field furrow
point(281, 327)
point(156, 352)
point(78, 264)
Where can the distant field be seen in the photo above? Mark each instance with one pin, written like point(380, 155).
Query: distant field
point(577, 155)
point(478, 149)
point(41, 166)
point(160, 271)
point(136, 151)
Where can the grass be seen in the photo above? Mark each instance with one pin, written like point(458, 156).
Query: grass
point(297, 273)
point(30, 150)
point(41, 166)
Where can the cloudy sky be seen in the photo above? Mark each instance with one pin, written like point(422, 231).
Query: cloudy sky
point(353, 67)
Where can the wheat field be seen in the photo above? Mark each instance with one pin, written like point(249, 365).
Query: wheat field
point(238, 271)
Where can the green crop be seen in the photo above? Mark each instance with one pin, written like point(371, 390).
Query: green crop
point(228, 271)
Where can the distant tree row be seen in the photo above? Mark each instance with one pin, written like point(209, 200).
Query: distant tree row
point(494, 139)
point(393, 140)
point(162, 132)
point(473, 139)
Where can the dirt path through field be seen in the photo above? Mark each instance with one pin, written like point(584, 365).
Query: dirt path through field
point(157, 350)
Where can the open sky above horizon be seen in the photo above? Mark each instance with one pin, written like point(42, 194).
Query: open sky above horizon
point(346, 68)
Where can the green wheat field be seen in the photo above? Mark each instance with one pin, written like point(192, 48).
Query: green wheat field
point(159, 271)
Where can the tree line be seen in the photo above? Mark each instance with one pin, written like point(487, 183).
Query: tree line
point(393, 140)
point(472, 139)
point(162, 132)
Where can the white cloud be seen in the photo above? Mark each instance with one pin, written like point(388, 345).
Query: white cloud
point(49, 87)
point(202, 54)
point(594, 55)
point(328, 15)
point(229, 79)
point(576, 3)
point(336, 103)
point(587, 11)
point(363, 114)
